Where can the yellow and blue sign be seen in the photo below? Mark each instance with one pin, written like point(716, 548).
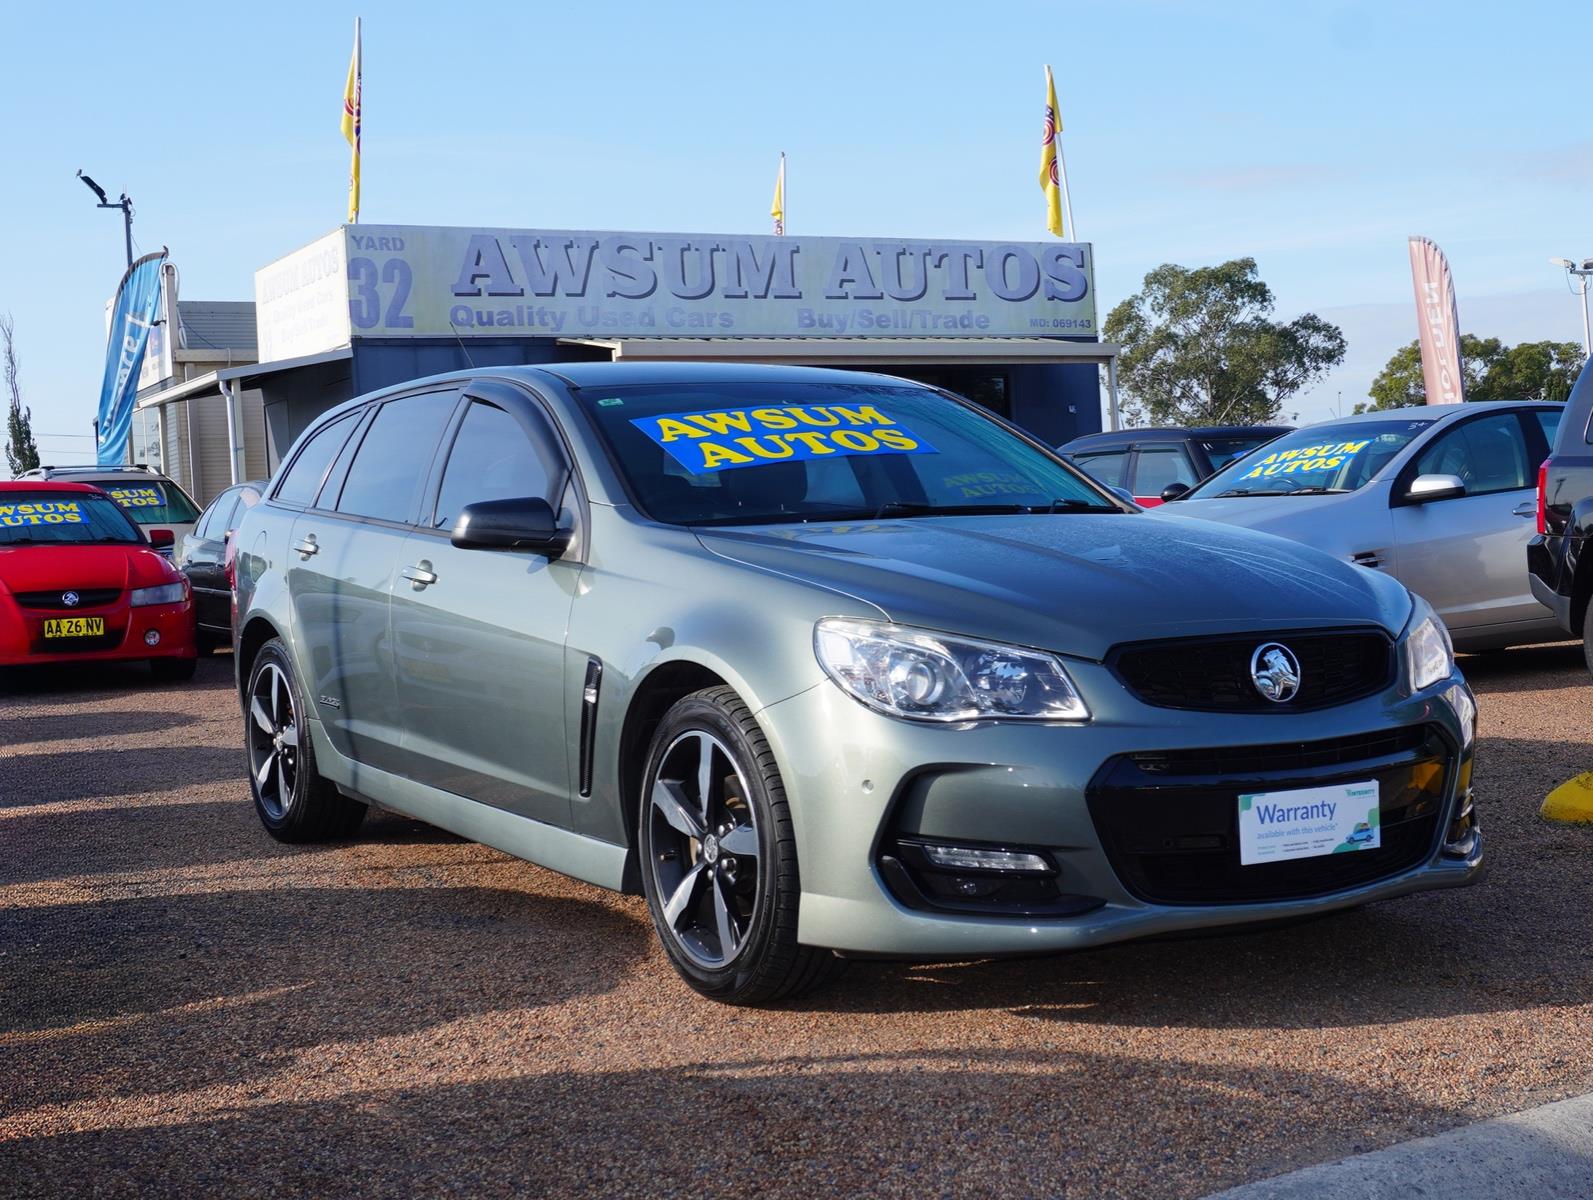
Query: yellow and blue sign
point(42, 512)
point(724, 438)
point(1324, 457)
point(136, 497)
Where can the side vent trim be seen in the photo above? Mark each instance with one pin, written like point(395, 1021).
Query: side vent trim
point(589, 696)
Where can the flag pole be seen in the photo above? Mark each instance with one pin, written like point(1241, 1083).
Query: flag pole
point(1067, 197)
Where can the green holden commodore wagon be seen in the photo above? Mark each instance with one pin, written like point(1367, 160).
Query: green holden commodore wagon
point(829, 664)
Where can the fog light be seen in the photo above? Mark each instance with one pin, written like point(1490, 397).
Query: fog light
point(972, 858)
point(152, 638)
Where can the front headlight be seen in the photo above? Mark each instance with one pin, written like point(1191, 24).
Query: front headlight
point(166, 593)
point(927, 676)
point(1429, 654)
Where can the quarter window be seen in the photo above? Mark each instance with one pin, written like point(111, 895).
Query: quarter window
point(394, 456)
point(491, 459)
point(1489, 454)
point(303, 478)
point(214, 523)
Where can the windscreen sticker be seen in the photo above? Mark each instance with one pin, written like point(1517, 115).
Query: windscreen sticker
point(721, 439)
point(42, 512)
point(1323, 457)
point(136, 497)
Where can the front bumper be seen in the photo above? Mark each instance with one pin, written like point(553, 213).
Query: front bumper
point(22, 640)
point(856, 782)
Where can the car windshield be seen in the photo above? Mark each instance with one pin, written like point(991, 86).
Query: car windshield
point(62, 518)
point(1223, 450)
point(785, 452)
point(1339, 458)
point(155, 502)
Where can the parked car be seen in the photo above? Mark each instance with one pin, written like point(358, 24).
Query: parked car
point(1439, 497)
point(1156, 465)
point(79, 582)
point(739, 638)
point(206, 556)
point(150, 498)
point(1559, 566)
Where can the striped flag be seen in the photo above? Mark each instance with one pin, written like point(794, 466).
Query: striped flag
point(351, 125)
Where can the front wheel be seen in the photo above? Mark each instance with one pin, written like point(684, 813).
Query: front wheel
point(1587, 635)
point(292, 800)
point(719, 862)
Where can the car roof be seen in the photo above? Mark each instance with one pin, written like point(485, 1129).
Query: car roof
point(45, 485)
point(1437, 412)
point(1170, 433)
point(139, 471)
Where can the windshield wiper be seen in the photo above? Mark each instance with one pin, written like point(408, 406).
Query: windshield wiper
point(913, 508)
point(1299, 491)
point(1073, 504)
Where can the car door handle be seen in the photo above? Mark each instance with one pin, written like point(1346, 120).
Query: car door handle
point(420, 575)
point(306, 546)
point(1527, 508)
point(1367, 558)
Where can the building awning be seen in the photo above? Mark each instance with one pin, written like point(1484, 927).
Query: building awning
point(855, 352)
point(214, 383)
point(851, 351)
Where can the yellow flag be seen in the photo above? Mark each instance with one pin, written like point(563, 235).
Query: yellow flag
point(1050, 174)
point(351, 125)
point(777, 209)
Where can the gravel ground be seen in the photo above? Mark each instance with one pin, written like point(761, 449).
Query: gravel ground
point(188, 1008)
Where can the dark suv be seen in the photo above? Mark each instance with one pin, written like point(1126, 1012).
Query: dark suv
point(1557, 560)
point(1162, 464)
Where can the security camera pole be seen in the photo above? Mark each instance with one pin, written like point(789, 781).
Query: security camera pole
point(125, 204)
point(1584, 273)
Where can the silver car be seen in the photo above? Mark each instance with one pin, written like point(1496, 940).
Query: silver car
point(830, 664)
point(1443, 498)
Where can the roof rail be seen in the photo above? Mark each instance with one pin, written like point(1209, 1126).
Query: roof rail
point(50, 470)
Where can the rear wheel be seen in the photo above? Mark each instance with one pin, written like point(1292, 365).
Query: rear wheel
point(293, 801)
point(719, 862)
point(1587, 635)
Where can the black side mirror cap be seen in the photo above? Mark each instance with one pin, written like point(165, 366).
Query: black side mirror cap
point(1174, 491)
point(518, 523)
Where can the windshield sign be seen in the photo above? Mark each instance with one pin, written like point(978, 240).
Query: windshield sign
point(744, 454)
point(744, 437)
point(83, 517)
point(1313, 461)
point(152, 503)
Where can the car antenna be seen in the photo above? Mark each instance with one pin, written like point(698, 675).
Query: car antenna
point(470, 362)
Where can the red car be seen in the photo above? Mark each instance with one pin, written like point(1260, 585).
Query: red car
point(79, 583)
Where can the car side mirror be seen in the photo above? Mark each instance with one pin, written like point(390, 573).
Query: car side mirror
point(161, 539)
point(1435, 487)
point(1174, 491)
point(518, 523)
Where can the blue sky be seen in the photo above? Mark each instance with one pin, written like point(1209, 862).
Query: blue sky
point(1314, 136)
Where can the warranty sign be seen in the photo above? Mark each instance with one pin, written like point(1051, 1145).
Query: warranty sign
point(721, 439)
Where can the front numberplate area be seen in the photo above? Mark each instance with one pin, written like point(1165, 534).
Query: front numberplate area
point(1308, 822)
point(74, 627)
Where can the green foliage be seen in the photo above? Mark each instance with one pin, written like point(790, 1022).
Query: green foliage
point(1489, 370)
point(1200, 347)
point(21, 453)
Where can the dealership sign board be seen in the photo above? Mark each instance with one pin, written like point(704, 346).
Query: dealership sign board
point(385, 281)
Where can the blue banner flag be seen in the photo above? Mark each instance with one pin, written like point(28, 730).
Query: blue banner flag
point(134, 312)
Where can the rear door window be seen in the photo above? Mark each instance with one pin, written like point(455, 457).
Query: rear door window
point(303, 478)
point(215, 520)
point(393, 458)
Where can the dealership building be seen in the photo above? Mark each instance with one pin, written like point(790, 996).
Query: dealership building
point(1010, 325)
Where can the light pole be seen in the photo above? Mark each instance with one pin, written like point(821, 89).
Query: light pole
point(125, 204)
point(1584, 274)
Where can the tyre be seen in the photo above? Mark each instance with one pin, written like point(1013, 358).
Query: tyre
point(719, 861)
point(173, 670)
point(293, 801)
point(1587, 635)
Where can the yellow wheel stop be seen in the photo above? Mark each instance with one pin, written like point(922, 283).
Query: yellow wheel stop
point(1572, 801)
